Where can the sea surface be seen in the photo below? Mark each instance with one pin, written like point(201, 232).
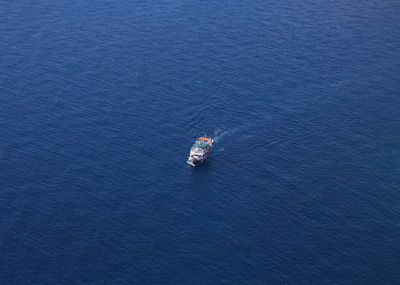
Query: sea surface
point(101, 100)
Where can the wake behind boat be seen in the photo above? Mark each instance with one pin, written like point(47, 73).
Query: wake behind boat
point(200, 150)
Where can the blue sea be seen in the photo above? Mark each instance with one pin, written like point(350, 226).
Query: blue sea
point(101, 100)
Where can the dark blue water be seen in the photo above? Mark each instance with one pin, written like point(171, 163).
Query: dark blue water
point(101, 100)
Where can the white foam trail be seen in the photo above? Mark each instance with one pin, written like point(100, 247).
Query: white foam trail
point(219, 137)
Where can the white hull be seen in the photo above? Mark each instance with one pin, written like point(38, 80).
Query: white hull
point(194, 162)
point(200, 151)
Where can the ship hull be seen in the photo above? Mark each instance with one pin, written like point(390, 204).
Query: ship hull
point(195, 162)
point(200, 151)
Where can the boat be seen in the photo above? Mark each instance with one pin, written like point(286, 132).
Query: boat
point(200, 150)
